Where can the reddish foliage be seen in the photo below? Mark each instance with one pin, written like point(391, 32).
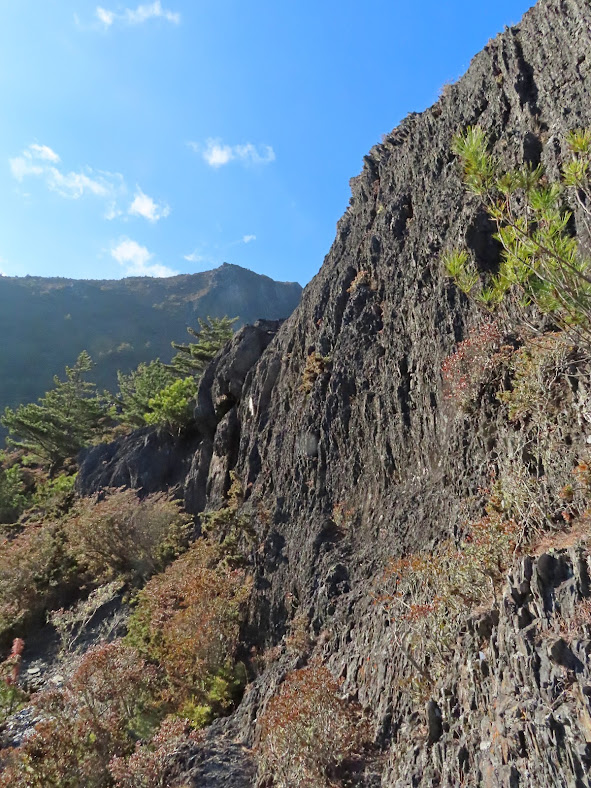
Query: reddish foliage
point(187, 619)
point(428, 595)
point(464, 371)
point(14, 661)
point(84, 724)
point(146, 767)
point(34, 567)
point(308, 729)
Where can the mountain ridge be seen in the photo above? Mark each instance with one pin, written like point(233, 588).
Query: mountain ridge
point(120, 322)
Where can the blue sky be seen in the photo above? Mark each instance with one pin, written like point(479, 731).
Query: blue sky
point(169, 137)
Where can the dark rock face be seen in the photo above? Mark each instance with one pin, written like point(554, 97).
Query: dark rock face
point(370, 438)
point(151, 460)
point(513, 714)
point(147, 460)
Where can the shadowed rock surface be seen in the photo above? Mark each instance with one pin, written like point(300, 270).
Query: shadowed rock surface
point(345, 409)
point(152, 460)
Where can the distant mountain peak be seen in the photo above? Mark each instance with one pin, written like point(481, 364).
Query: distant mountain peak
point(121, 322)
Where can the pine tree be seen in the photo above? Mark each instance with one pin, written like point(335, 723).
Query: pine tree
point(192, 359)
point(13, 499)
point(542, 262)
point(138, 388)
point(173, 406)
point(67, 418)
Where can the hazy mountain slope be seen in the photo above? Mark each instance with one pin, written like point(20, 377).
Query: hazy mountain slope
point(45, 323)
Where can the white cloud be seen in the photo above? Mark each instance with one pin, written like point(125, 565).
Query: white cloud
point(206, 256)
point(145, 206)
point(21, 166)
point(137, 16)
point(246, 239)
point(40, 160)
point(104, 16)
point(217, 154)
point(131, 252)
point(136, 260)
point(112, 212)
point(74, 185)
point(149, 11)
point(24, 165)
point(248, 152)
point(194, 257)
point(42, 152)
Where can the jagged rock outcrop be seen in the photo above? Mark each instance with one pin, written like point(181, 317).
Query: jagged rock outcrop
point(349, 453)
point(513, 712)
point(515, 709)
point(151, 459)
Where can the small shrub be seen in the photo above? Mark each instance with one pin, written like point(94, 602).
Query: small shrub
point(93, 719)
point(35, 567)
point(469, 366)
point(308, 730)
point(297, 641)
point(541, 401)
point(122, 536)
point(12, 698)
point(188, 619)
point(430, 593)
point(539, 376)
point(361, 279)
point(342, 515)
point(229, 527)
point(54, 497)
point(582, 474)
point(314, 367)
point(445, 91)
point(578, 626)
point(146, 767)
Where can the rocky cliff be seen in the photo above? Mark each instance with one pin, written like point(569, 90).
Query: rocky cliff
point(350, 455)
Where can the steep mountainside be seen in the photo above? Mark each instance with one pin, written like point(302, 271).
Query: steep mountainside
point(46, 323)
point(350, 454)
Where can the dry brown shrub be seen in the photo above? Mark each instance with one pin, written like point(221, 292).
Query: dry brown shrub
point(188, 620)
point(121, 535)
point(85, 724)
point(308, 731)
point(146, 767)
point(33, 566)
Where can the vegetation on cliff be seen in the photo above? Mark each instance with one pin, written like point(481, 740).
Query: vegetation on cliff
point(68, 559)
point(390, 532)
